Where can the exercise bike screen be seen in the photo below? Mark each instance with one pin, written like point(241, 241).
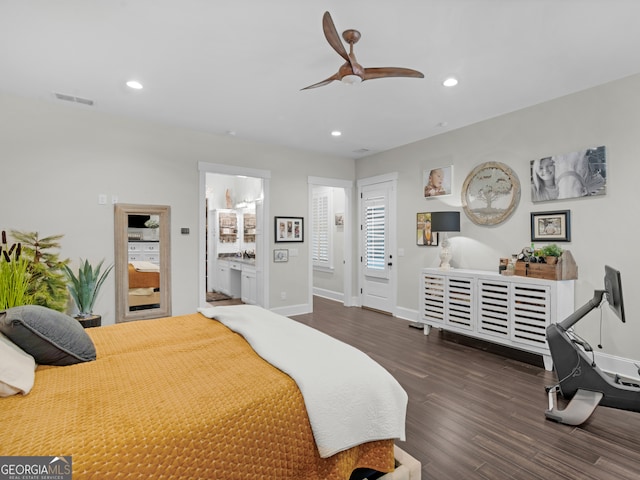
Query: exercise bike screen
point(613, 289)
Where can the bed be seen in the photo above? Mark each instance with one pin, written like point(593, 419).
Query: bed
point(144, 284)
point(176, 397)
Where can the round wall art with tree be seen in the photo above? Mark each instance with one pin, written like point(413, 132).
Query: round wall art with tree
point(490, 193)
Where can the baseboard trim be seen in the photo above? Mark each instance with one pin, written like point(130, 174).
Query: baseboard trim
point(407, 314)
point(330, 294)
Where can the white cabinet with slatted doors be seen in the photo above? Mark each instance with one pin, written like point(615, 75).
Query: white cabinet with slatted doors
point(493, 308)
point(432, 297)
point(447, 300)
point(510, 310)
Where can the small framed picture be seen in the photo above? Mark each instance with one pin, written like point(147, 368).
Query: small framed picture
point(551, 226)
point(436, 182)
point(289, 229)
point(280, 255)
point(424, 236)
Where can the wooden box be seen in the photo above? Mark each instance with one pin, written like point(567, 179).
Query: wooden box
point(565, 269)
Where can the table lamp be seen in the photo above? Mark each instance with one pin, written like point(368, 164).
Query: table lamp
point(445, 222)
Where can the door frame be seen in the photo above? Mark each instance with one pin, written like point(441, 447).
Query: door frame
point(392, 179)
point(347, 186)
point(262, 228)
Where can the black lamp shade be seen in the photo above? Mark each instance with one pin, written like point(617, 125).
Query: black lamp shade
point(445, 221)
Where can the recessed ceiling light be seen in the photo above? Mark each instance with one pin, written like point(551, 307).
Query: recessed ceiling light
point(336, 133)
point(134, 84)
point(450, 82)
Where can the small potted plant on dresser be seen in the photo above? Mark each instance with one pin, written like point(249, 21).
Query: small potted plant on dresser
point(551, 253)
point(84, 288)
point(558, 264)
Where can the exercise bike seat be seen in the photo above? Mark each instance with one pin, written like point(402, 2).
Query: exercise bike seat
point(579, 409)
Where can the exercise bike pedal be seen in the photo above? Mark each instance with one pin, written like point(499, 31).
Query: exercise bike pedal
point(579, 409)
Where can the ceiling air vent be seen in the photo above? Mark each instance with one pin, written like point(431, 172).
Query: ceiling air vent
point(71, 98)
point(361, 151)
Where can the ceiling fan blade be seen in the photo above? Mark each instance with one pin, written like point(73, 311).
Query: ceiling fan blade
point(382, 72)
point(331, 34)
point(323, 82)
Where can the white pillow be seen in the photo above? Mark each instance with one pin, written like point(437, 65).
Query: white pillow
point(16, 369)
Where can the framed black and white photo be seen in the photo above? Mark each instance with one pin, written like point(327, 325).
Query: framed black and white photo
point(436, 182)
point(280, 255)
point(289, 229)
point(424, 236)
point(551, 226)
point(570, 175)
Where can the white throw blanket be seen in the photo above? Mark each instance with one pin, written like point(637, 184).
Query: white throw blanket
point(350, 398)
point(144, 266)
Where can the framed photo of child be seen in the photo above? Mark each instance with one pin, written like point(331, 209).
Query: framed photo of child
point(437, 182)
point(570, 175)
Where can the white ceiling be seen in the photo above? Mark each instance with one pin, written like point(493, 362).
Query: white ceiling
point(238, 66)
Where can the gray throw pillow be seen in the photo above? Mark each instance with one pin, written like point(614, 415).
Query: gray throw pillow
point(50, 337)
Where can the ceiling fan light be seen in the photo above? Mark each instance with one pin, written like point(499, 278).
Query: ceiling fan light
point(351, 79)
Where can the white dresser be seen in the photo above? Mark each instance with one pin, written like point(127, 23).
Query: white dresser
point(148, 251)
point(509, 310)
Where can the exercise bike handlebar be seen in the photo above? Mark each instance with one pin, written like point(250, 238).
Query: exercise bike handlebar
point(581, 312)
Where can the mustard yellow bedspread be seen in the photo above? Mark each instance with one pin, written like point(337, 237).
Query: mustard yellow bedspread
point(178, 397)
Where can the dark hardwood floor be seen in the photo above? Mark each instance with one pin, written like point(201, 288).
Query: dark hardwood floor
point(477, 414)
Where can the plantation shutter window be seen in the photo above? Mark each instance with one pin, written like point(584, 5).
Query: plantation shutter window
point(322, 243)
point(375, 237)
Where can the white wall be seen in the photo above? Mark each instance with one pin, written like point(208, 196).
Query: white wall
point(56, 159)
point(604, 229)
point(240, 190)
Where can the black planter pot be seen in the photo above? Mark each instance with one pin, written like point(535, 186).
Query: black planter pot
point(91, 321)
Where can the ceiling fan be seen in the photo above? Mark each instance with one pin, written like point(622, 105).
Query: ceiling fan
point(352, 72)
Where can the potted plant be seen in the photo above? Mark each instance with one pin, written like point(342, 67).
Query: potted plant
point(14, 276)
point(153, 224)
point(551, 253)
point(84, 288)
point(47, 282)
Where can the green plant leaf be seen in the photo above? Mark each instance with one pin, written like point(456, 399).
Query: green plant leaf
point(85, 286)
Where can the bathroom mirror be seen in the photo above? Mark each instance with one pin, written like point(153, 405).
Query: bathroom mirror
point(142, 261)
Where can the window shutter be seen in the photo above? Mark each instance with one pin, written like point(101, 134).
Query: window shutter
point(321, 244)
point(375, 237)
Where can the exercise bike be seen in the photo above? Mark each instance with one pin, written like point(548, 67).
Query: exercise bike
point(579, 378)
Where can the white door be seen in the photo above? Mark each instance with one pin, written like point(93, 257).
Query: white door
point(377, 245)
